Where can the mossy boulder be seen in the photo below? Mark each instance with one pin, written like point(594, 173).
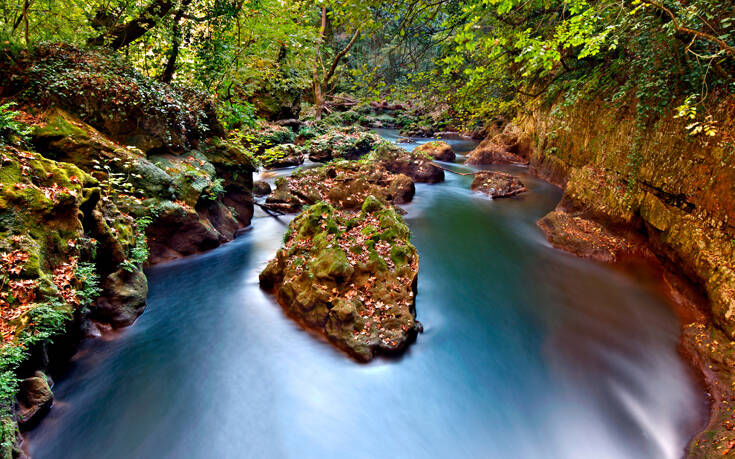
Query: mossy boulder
point(111, 96)
point(341, 144)
point(436, 149)
point(285, 155)
point(416, 164)
point(350, 275)
point(35, 399)
point(344, 184)
point(266, 135)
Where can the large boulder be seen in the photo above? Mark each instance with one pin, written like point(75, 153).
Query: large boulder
point(273, 103)
point(341, 144)
point(111, 96)
point(436, 149)
point(497, 184)
point(261, 188)
point(351, 276)
point(123, 298)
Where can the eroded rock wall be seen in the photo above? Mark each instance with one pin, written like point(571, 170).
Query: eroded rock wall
point(675, 189)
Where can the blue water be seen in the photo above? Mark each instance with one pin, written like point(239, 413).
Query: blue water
point(527, 353)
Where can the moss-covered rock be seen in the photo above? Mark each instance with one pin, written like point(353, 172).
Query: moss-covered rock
point(352, 276)
point(436, 149)
point(416, 164)
point(285, 155)
point(111, 96)
point(341, 144)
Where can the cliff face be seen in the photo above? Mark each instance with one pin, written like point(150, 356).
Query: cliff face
point(657, 191)
point(675, 190)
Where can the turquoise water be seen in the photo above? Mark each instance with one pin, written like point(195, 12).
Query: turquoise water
point(527, 352)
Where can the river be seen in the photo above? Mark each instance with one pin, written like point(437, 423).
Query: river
point(528, 352)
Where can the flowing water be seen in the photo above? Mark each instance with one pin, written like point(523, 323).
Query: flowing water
point(528, 352)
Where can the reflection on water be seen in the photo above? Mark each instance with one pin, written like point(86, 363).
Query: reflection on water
point(527, 353)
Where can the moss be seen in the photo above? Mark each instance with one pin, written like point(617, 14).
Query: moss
point(401, 254)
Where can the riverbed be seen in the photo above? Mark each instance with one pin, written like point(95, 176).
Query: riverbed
point(527, 352)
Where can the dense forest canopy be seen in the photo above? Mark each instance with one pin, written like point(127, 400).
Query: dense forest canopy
point(478, 59)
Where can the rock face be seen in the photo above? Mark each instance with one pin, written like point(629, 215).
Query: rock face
point(497, 184)
point(438, 150)
point(35, 398)
point(351, 276)
point(416, 165)
point(131, 172)
point(344, 184)
point(511, 146)
point(672, 191)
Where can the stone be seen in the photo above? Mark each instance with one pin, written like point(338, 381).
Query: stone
point(436, 149)
point(343, 184)
point(497, 184)
point(412, 164)
point(351, 275)
point(35, 399)
point(261, 188)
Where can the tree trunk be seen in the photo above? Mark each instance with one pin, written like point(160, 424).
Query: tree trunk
point(318, 93)
point(124, 34)
point(168, 72)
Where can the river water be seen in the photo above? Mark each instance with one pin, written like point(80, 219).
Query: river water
point(528, 352)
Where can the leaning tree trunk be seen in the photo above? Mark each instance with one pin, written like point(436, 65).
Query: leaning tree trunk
point(123, 34)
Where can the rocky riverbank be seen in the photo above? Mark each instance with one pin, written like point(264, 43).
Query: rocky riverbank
point(106, 171)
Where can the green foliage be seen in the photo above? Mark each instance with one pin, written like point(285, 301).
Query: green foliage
point(237, 115)
point(214, 191)
point(87, 274)
point(497, 55)
point(9, 127)
point(139, 251)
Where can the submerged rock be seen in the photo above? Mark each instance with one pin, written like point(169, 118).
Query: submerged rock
point(589, 238)
point(436, 149)
point(497, 184)
point(352, 276)
point(343, 184)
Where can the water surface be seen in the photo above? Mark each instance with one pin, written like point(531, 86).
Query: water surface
point(527, 353)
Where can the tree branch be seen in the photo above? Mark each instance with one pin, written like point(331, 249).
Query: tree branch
point(679, 28)
point(339, 56)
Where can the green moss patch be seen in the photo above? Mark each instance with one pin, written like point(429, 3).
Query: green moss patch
point(349, 275)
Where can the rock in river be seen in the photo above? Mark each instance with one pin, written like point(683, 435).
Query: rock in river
point(351, 276)
point(440, 151)
point(415, 164)
point(344, 184)
point(497, 184)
